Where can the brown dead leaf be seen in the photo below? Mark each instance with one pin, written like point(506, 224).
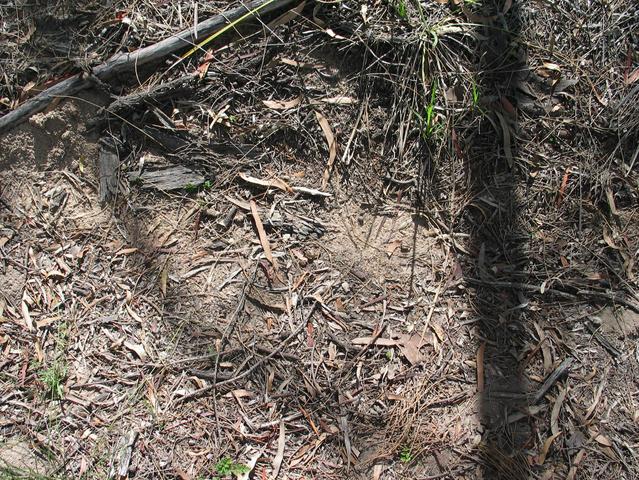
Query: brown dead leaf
point(26, 315)
point(544, 449)
point(508, 107)
point(378, 469)
point(240, 393)
point(127, 251)
point(332, 146)
point(603, 440)
point(339, 100)
point(296, 64)
point(283, 104)
point(152, 396)
point(551, 71)
point(410, 345)
point(244, 475)
point(439, 331)
point(272, 183)
point(633, 77)
point(203, 68)
point(281, 442)
point(332, 34)
point(164, 278)
point(137, 348)
point(182, 475)
point(392, 246)
point(383, 342)
point(261, 233)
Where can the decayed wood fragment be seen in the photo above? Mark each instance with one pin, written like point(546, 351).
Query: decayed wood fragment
point(108, 165)
point(170, 178)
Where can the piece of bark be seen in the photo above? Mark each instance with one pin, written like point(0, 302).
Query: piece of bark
point(123, 107)
point(108, 167)
point(124, 456)
point(225, 222)
point(125, 63)
point(170, 178)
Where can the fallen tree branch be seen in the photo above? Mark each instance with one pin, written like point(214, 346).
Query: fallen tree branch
point(124, 63)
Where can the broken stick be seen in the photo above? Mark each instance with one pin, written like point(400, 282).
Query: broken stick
point(123, 63)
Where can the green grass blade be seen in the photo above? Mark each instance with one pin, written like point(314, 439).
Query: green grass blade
point(225, 29)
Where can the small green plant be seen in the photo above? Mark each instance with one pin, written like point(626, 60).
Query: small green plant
point(389, 355)
point(401, 9)
point(430, 111)
point(226, 467)
point(429, 128)
point(405, 455)
point(52, 379)
point(190, 188)
point(208, 185)
point(475, 93)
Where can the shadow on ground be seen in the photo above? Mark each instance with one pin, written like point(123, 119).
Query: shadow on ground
point(498, 239)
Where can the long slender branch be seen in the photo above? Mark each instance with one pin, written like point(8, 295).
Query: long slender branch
point(125, 63)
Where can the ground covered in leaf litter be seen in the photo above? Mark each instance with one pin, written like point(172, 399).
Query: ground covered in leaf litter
point(405, 246)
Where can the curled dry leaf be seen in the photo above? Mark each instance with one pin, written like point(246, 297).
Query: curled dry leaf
point(281, 442)
point(408, 344)
point(283, 104)
point(26, 315)
point(137, 348)
point(261, 233)
point(332, 147)
point(544, 449)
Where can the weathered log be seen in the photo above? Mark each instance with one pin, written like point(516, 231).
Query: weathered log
point(124, 63)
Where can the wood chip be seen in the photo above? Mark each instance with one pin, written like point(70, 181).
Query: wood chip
point(170, 178)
